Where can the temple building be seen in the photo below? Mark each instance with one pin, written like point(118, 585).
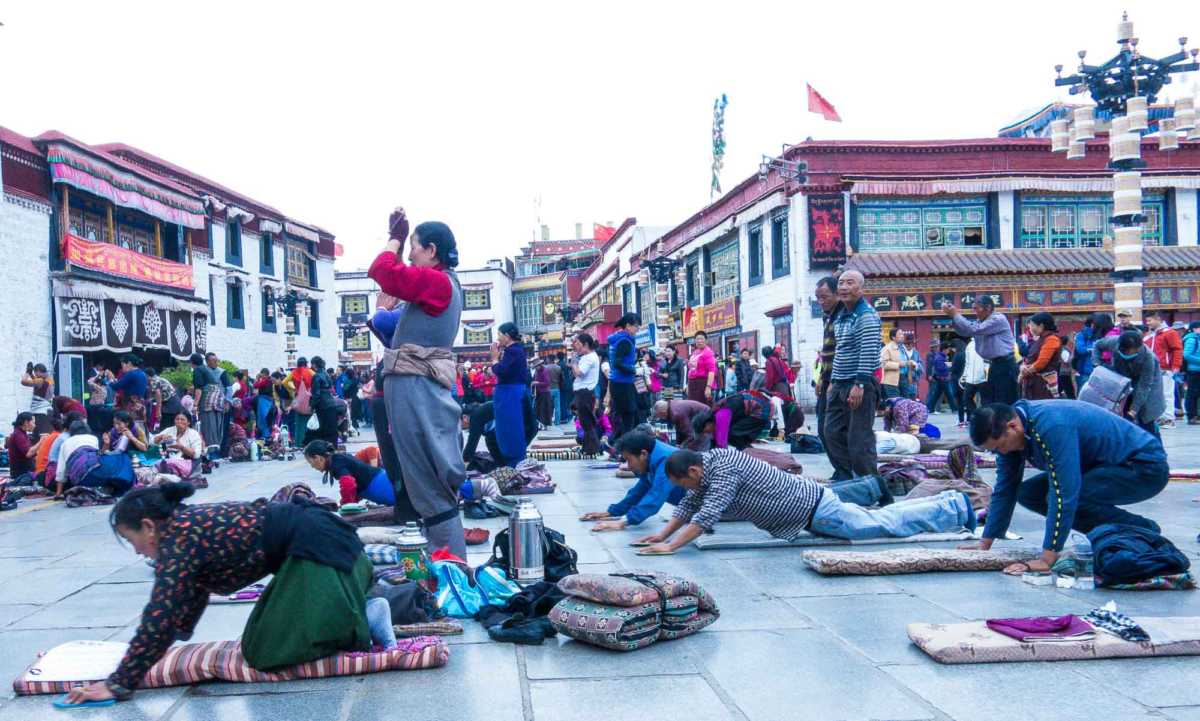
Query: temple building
point(118, 250)
point(927, 222)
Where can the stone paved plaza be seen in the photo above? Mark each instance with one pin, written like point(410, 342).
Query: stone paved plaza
point(790, 644)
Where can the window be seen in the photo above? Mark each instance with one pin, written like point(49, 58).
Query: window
point(266, 254)
point(756, 254)
point(783, 333)
point(477, 337)
point(268, 311)
point(1065, 222)
point(352, 304)
point(724, 264)
point(299, 265)
point(628, 299)
point(233, 243)
point(903, 225)
point(692, 285)
point(477, 299)
point(360, 341)
point(314, 319)
point(234, 311)
point(781, 262)
point(646, 306)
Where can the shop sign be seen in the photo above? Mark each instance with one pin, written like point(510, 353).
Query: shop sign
point(909, 303)
point(645, 336)
point(710, 318)
point(882, 304)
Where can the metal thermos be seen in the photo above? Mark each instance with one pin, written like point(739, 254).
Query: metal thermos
point(414, 558)
point(525, 550)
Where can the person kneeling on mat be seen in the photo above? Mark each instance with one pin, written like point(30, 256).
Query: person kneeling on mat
point(314, 606)
point(1094, 461)
point(356, 480)
point(726, 481)
point(647, 458)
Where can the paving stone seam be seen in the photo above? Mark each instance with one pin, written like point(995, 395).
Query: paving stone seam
point(523, 680)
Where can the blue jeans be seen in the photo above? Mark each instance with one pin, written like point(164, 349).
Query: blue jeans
point(861, 491)
point(937, 391)
point(947, 511)
point(1103, 489)
point(379, 621)
point(557, 406)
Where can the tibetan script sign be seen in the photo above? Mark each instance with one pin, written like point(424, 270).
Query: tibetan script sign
point(115, 260)
point(882, 303)
point(826, 231)
point(915, 302)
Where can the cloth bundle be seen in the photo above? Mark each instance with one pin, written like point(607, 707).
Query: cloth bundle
point(1130, 554)
point(79, 663)
point(782, 461)
point(628, 611)
point(80, 496)
point(1106, 388)
point(381, 554)
point(380, 516)
point(528, 476)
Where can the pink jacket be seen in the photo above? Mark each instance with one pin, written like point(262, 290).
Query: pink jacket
point(701, 364)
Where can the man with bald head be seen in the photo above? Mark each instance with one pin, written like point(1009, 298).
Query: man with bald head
point(854, 391)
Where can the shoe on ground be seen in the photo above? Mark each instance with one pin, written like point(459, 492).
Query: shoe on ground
point(1194, 422)
point(476, 536)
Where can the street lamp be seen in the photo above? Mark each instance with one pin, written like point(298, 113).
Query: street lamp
point(1123, 87)
point(288, 304)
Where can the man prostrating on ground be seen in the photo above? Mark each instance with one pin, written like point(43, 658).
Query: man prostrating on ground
point(785, 505)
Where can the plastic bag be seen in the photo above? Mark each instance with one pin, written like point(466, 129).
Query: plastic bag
point(314, 423)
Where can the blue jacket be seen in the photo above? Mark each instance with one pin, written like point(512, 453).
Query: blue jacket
point(1083, 352)
point(1191, 352)
point(652, 489)
point(622, 357)
point(1066, 439)
point(1128, 554)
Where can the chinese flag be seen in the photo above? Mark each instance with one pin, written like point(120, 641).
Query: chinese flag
point(602, 232)
point(819, 105)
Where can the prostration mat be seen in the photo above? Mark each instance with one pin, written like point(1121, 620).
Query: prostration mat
point(912, 560)
point(79, 663)
point(741, 534)
point(974, 642)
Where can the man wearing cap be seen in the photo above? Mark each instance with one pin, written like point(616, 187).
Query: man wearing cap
point(994, 341)
point(1164, 343)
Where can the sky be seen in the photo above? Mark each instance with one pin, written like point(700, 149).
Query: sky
point(495, 117)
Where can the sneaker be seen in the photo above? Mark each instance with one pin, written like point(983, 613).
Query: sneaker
point(1193, 422)
point(885, 494)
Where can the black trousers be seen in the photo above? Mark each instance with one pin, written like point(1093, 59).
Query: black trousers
point(849, 433)
point(822, 405)
point(1001, 385)
point(585, 411)
point(403, 511)
point(1192, 400)
point(624, 407)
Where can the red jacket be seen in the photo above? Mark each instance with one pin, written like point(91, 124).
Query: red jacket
point(1166, 346)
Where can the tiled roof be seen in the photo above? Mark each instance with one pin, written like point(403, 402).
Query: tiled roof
point(15, 139)
point(1001, 262)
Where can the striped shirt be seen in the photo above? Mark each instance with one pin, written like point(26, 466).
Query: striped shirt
point(779, 503)
point(858, 342)
point(829, 344)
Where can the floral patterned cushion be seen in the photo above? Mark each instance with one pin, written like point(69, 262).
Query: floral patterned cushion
point(912, 560)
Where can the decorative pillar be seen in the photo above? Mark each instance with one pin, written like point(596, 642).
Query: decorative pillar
point(158, 238)
point(112, 230)
point(66, 214)
point(1125, 157)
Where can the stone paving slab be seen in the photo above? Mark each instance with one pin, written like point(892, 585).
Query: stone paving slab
point(790, 644)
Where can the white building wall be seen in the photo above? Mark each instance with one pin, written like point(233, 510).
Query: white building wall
point(771, 293)
point(1185, 215)
point(25, 324)
point(501, 310)
point(355, 283)
point(251, 347)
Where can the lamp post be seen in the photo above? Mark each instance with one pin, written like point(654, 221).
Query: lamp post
point(1123, 87)
point(288, 305)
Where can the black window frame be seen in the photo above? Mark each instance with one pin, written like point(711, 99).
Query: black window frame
point(266, 254)
point(314, 319)
point(233, 243)
point(754, 249)
point(780, 246)
point(235, 299)
point(268, 316)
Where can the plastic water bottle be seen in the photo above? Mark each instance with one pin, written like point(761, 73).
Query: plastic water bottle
point(285, 436)
point(1081, 553)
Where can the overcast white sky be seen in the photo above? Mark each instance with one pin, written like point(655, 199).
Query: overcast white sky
point(334, 112)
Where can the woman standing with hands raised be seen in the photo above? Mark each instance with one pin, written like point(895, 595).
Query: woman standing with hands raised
point(418, 372)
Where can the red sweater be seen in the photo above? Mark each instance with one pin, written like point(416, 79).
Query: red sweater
point(1167, 347)
point(428, 288)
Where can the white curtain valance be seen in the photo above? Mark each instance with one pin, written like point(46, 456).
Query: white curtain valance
point(994, 185)
point(301, 232)
point(65, 288)
point(233, 212)
point(269, 226)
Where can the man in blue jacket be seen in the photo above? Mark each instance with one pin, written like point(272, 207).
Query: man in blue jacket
point(1092, 461)
point(647, 458)
point(1191, 370)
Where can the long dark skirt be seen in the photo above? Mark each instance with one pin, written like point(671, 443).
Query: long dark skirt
point(695, 389)
point(509, 401)
point(308, 611)
point(545, 408)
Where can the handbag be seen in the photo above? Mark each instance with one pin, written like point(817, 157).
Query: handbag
point(456, 596)
point(1050, 378)
point(559, 559)
point(302, 403)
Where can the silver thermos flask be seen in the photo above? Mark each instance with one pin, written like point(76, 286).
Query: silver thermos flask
point(525, 550)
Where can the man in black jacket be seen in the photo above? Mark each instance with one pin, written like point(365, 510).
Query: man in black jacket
point(744, 371)
point(478, 417)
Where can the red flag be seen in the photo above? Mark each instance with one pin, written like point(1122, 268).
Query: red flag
point(819, 105)
point(602, 232)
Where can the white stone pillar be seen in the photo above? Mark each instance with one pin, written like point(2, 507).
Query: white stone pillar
point(1185, 216)
point(1006, 207)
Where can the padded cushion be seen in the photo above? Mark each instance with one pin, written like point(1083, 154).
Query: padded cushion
point(912, 560)
point(974, 642)
point(79, 663)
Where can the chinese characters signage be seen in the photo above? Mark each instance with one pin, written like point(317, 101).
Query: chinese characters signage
point(826, 231)
point(709, 318)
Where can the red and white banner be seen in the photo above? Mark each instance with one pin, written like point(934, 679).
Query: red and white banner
point(115, 260)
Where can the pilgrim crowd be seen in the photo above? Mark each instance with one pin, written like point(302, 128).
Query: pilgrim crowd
point(684, 428)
